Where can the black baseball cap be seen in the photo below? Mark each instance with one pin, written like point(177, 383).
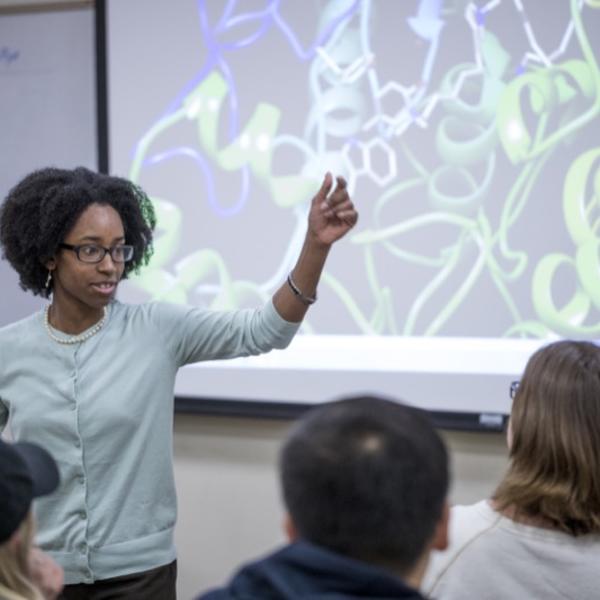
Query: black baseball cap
point(27, 471)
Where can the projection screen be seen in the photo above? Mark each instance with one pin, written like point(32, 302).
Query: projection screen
point(468, 134)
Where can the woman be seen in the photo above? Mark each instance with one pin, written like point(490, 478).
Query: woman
point(93, 379)
point(539, 536)
point(26, 472)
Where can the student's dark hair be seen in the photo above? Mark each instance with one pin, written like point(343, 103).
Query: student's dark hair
point(41, 209)
point(554, 469)
point(367, 478)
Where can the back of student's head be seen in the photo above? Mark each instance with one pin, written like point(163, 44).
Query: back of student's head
point(367, 478)
point(554, 470)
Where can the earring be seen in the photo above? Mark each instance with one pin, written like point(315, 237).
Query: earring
point(48, 280)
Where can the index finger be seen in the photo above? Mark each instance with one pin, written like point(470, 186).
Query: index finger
point(321, 195)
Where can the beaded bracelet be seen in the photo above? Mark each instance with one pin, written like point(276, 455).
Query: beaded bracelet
point(308, 300)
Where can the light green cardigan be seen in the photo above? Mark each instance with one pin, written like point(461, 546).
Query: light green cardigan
point(104, 409)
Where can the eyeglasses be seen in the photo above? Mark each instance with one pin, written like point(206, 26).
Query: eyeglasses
point(94, 253)
point(514, 388)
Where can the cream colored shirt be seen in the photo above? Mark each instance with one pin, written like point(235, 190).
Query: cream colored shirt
point(491, 557)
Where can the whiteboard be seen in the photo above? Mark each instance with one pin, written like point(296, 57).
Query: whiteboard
point(47, 110)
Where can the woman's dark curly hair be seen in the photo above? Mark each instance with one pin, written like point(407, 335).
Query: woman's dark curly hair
point(41, 210)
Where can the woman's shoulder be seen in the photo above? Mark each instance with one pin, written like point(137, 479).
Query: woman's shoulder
point(149, 311)
point(472, 516)
point(20, 339)
point(162, 318)
point(468, 522)
point(488, 551)
point(17, 329)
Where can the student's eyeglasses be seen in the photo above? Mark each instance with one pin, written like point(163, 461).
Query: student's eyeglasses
point(514, 388)
point(94, 253)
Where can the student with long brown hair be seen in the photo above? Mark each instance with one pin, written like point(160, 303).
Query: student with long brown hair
point(539, 535)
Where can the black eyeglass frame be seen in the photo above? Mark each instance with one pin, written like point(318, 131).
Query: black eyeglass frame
point(125, 248)
point(514, 388)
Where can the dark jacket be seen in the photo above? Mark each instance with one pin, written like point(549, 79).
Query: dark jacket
point(304, 571)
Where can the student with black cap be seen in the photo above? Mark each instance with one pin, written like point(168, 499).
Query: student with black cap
point(26, 472)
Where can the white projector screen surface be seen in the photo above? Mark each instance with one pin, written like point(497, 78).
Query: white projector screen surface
point(467, 132)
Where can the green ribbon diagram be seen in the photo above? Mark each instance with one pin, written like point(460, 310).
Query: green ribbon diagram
point(448, 172)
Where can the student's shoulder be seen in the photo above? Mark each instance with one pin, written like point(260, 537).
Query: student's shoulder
point(468, 525)
point(472, 516)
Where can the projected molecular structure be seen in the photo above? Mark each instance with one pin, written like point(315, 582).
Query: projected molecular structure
point(459, 125)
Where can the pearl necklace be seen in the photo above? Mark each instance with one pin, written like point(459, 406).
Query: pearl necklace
point(75, 339)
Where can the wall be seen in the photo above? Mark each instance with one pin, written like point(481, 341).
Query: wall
point(229, 510)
